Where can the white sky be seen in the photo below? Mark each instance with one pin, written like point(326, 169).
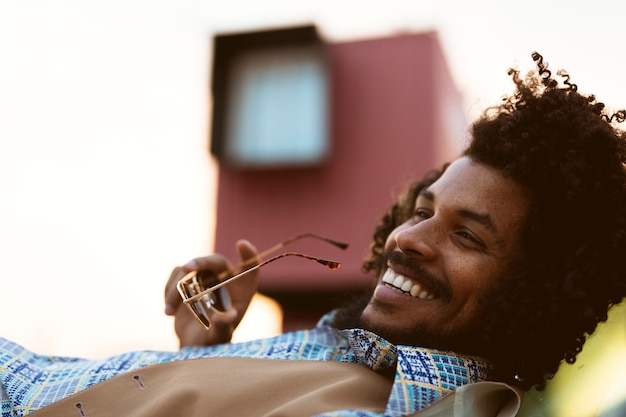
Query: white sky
point(105, 182)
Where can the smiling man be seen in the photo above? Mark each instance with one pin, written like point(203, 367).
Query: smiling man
point(488, 274)
point(448, 259)
point(514, 252)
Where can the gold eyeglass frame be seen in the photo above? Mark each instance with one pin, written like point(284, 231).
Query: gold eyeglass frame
point(200, 300)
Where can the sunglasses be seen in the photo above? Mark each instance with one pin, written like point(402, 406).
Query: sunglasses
point(204, 292)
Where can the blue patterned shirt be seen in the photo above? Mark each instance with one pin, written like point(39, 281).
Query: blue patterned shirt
point(30, 381)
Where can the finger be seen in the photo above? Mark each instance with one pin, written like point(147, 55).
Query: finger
point(172, 297)
point(243, 290)
point(222, 326)
point(215, 263)
point(225, 319)
point(246, 250)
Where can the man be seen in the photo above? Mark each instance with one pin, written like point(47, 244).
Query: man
point(489, 273)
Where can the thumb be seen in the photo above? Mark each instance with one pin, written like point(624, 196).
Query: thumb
point(223, 325)
point(225, 319)
point(247, 251)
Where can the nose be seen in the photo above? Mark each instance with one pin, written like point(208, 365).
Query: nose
point(418, 240)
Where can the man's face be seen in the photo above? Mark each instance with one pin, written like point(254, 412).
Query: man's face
point(447, 260)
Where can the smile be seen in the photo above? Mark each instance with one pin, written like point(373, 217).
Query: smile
point(406, 285)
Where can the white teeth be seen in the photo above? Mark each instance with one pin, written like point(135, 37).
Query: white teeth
point(406, 285)
point(398, 281)
point(415, 290)
point(388, 277)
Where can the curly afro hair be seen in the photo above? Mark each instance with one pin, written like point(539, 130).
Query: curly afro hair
point(566, 150)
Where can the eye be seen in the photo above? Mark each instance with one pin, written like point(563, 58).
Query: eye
point(467, 236)
point(469, 240)
point(422, 214)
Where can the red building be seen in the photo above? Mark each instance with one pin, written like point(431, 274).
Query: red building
point(393, 114)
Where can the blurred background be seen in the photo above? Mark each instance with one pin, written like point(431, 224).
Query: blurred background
point(107, 180)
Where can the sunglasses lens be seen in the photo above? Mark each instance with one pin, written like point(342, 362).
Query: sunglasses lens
point(220, 299)
point(206, 279)
point(199, 307)
point(199, 310)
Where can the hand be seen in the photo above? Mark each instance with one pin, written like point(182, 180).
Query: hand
point(188, 330)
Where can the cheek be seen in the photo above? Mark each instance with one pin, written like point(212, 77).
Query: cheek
point(470, 275)
point(475, 281)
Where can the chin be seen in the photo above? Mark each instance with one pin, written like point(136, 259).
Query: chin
point(350, 314)
point(381, 320)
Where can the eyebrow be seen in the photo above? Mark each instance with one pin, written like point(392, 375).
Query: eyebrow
point(482, 218)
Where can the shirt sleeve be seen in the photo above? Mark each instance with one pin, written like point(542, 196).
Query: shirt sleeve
point(350, 413)
point(5, 402)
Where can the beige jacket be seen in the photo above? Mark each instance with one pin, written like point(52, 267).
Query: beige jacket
point(223, 387)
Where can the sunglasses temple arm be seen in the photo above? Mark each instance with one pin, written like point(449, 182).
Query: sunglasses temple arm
point(325, 262)
point(250, 261)
point(245, 264)
point(227, 281)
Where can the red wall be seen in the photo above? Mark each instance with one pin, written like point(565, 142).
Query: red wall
point(383, 129)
